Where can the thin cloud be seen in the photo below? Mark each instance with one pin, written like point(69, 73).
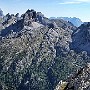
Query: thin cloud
point(76, 2)
point(17, 0)
point(70, 3)
point(83, 0)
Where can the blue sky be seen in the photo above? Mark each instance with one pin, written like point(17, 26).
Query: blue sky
point(50, 8)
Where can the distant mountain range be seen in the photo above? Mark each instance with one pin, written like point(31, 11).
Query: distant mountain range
point(75, 21)
point(1, 13)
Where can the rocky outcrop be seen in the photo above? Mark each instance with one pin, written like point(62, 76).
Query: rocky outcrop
point(78, 81)
point(81, 38)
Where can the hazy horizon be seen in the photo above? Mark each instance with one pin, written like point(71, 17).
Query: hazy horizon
point(50, 8)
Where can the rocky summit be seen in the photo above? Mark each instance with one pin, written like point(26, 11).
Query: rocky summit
point(36, 52)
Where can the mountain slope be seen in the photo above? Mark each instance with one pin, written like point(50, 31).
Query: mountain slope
point(78, 81)
point(80, 39)
point(28, 47)
point(35, 52)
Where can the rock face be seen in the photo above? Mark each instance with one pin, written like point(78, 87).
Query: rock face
point(81, 80)
point(1, 18)
point(80, 39)
point(64, 24)
point(78, 81)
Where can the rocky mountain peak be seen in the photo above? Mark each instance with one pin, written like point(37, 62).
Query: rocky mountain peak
point(31, 14)
point(29, 17)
